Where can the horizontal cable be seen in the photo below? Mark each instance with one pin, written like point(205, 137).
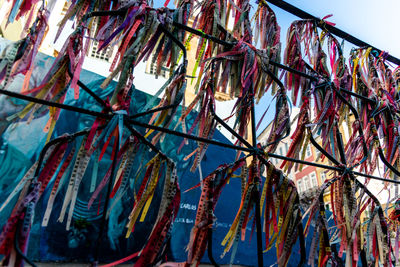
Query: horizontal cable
point(333, 168)
point(203, 35)
point(196, 138)
point(145, 141)
point(276, 64)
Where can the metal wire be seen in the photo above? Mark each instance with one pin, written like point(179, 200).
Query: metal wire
point(249, 148)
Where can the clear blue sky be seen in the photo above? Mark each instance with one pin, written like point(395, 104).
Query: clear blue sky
point(375, 22)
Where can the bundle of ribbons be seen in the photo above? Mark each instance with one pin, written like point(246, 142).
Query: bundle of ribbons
point(331, 107)
point(282, 215)
point(169, 206)
point(281, 124)
point(242, 70)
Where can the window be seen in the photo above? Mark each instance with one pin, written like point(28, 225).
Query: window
point(313, 178)
point(286, 148)
point(328, 206)
point(300, 185)
point(323, 177)
point(308, 152)
point(151, 68)
point(307, 183)
point(105, 54)
point(318, 154)
point(280, 151)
